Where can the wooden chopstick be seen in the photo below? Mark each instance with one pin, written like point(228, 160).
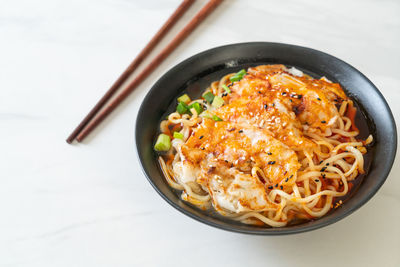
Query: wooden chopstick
point(131, 68)
point(200, 16)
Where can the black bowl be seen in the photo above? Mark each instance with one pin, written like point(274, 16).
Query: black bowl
point(196, 73)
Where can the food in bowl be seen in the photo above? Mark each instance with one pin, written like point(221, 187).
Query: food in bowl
point(268, 145)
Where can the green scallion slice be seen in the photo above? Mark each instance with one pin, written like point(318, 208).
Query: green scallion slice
point(216, 118)
point(238, 76)
point(163, 143)
point(227, 90)
point(197, 107)
point(209, 97)
point(206, 114)
point(184, 98)
point(178, 135)
point(218, 102)
point(182, 108)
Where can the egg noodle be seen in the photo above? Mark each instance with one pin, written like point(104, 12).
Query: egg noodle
point(279, 148)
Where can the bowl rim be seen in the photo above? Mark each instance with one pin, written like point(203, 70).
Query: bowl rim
point(317, 223)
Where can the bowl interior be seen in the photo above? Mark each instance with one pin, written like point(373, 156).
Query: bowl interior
point(196, 73)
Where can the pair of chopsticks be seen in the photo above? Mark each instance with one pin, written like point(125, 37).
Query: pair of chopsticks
point(91, 121)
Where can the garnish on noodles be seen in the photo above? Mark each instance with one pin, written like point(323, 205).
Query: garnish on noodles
point(267, 146)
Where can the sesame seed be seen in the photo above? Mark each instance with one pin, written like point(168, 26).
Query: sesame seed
point(327, 164)
point(290, 177)
point(281, 187)
point(284, 93)
point(202, 148)
point(319, 98)
point(323, 169)
point(265, 106)
point(317, 180)
point(299, 96)
point(271, 162)
point(201, 137)
point(323, 121)
point(276, 185)
point(287, 179)
point(270, 187)
point(259, 92)
point(240, 131)
point(269, 153)
point(323, 176)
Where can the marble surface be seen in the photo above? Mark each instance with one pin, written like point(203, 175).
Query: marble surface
point(89, 204)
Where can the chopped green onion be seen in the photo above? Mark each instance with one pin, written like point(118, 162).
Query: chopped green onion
point(184, 98)
point(178, 135)
point(182, 108)
point(206, 114)
point(227, 90)
point(209, 96)
point(218, 102)
point(238, 76)
point(163, 143)
point(216, 118)
point(197, 107)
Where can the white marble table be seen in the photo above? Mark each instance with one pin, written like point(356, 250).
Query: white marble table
point(89, 204)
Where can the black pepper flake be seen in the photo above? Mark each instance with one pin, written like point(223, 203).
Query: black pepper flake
point(271, 162)
point(318, 98)
point(224, 94)
point(201, 137)
point(259, 92)
point(265, 106)
point(284, 93)
point(281, 187)
point(231, 165)
point(327, 164)
point(290, 100)
point(323, 169)
point(316, 180)
point(240, 131)
point(336, 100)
point(269, 153)
point(226, 161)
point(323, 175)
point(299, 96)
point(323, 121)
point(276, 185)
point(320, 161)
point(270, 187)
